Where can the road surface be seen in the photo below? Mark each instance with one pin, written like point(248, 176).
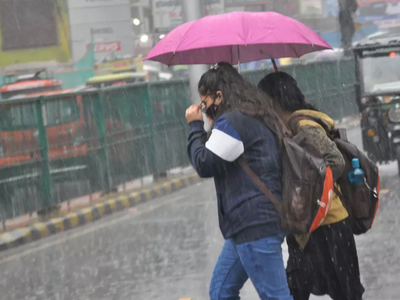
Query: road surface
point(166, 249)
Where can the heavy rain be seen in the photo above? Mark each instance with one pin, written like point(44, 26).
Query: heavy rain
point(199, 149)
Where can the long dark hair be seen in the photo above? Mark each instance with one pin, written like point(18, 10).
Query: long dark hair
point(237, 93)
point(283, 89)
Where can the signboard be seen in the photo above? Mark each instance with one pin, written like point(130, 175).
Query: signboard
point(127, 48)
point(168, 14)
point(38, 30)
point(246, 2)
point(389, 23)
point(382, 13)
point(107, 22)
point(214, 7)
point(102, 32)
point(311, 8)
point(21, 32)
point(143, 3)
point(378, 7)
point(365, 19)
point(139, 64)
point(288, 8)
point(106, 47)
point(116, 66)
point(100, 15)
point(95, 3)
point(249, 6)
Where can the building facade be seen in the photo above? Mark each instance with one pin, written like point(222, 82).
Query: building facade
point(34, 31)
point(108, 23)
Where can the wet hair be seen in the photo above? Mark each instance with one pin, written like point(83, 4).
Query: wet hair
point(237, 94)
point(220, 77)
point(283, 89)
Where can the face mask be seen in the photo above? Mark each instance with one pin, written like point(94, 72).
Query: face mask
point(212, 111)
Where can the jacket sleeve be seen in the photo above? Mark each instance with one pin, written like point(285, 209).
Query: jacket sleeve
point(215, 156)
point(317, 137)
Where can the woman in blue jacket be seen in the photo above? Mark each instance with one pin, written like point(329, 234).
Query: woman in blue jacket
point(247, 218)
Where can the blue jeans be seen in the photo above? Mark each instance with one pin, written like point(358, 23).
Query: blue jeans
point(261, 261)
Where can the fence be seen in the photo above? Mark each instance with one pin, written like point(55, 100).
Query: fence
point(54, 149)
point(328, 85)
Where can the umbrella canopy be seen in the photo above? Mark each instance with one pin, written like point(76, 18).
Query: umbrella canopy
point(236, 37)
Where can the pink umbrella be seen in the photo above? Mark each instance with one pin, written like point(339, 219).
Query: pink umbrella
point(236, 37)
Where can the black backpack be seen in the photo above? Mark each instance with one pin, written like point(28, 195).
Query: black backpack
point(308, 185)
point(361, 202)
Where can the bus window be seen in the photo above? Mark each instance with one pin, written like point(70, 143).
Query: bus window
point(61, 112)
point(24, 116)
point(14, 117)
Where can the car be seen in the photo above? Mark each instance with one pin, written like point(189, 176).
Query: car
point(389, 35)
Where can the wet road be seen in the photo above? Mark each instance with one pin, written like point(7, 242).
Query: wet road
point(166, 249)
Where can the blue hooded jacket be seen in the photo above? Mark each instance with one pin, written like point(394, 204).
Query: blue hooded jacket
point(245, 213)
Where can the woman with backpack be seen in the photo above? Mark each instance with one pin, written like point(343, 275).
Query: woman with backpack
point(324, 262)
point(248, 220)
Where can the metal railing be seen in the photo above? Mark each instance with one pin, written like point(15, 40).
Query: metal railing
point(57, 148)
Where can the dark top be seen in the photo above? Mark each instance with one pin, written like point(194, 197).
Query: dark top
point(245, 213)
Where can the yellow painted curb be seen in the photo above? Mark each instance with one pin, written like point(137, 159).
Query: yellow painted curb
point(87, 215)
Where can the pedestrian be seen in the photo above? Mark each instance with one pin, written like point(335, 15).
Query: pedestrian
point(324, 262)
point(248, 220)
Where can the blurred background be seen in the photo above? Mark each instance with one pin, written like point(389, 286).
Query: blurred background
point(56, 34)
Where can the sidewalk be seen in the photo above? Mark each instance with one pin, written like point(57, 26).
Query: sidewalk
point(84, 210)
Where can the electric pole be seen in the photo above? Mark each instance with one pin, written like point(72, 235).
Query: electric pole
point(192, 11)
point(347, 28)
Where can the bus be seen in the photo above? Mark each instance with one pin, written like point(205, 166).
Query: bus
point(19, 140)
point(116, 79)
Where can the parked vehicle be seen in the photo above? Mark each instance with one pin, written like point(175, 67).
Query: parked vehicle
point(19, 137)
point(22, 141)
point(379, 37)
point(19, 85)
point(115, 79)
point(378, 97)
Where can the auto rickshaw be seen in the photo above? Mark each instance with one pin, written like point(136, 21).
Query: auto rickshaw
point(378, 97)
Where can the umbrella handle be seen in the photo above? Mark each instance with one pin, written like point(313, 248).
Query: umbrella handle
point(275, 65)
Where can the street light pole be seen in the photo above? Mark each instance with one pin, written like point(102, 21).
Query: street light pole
point(192, 11)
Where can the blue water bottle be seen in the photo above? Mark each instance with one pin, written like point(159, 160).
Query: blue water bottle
point(356, 175)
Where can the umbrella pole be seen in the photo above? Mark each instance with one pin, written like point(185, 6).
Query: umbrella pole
point(275, 65)
point(239, 67)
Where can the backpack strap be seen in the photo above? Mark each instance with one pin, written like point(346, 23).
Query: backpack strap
point(284, 128)
point(260, 184)
point(337, 192)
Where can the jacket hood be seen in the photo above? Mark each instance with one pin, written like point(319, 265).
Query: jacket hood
point(304, 116)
